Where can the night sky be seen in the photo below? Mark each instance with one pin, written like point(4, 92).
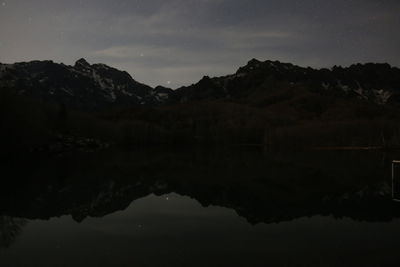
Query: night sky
point(176, 42)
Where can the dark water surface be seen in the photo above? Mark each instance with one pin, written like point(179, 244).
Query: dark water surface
point(200, 208)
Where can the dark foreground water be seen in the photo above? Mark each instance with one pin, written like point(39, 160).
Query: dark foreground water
point(197, 208)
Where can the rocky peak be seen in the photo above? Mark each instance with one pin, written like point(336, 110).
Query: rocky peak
point(253, 62)
point(82, 63)
point(81, 86)
point(251, 65)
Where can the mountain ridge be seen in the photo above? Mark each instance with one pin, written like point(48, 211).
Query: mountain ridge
point(376, 82)
point(271, 104)
point(82, 85)
point(94, 86)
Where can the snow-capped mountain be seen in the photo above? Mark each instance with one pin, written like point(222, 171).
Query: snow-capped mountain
point(83, 85)
point(378, 83)
point(96, 86)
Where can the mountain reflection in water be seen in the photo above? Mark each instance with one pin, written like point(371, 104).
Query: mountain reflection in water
point(157, 208)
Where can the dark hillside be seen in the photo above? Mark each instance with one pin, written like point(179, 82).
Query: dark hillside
point(271, 104)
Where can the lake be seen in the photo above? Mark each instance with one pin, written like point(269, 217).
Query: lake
point(197, 207)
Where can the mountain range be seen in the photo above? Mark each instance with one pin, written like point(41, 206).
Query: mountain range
point(96, 86)
point(83, 86)
point(270, 104)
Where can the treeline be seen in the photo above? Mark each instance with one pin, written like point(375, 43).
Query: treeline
point(27, 124)
point(299, 123)
point(375, 133)
point(227, 123)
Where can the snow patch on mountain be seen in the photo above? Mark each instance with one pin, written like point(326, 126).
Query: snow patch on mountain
point(82, 85)
point(382, 96)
